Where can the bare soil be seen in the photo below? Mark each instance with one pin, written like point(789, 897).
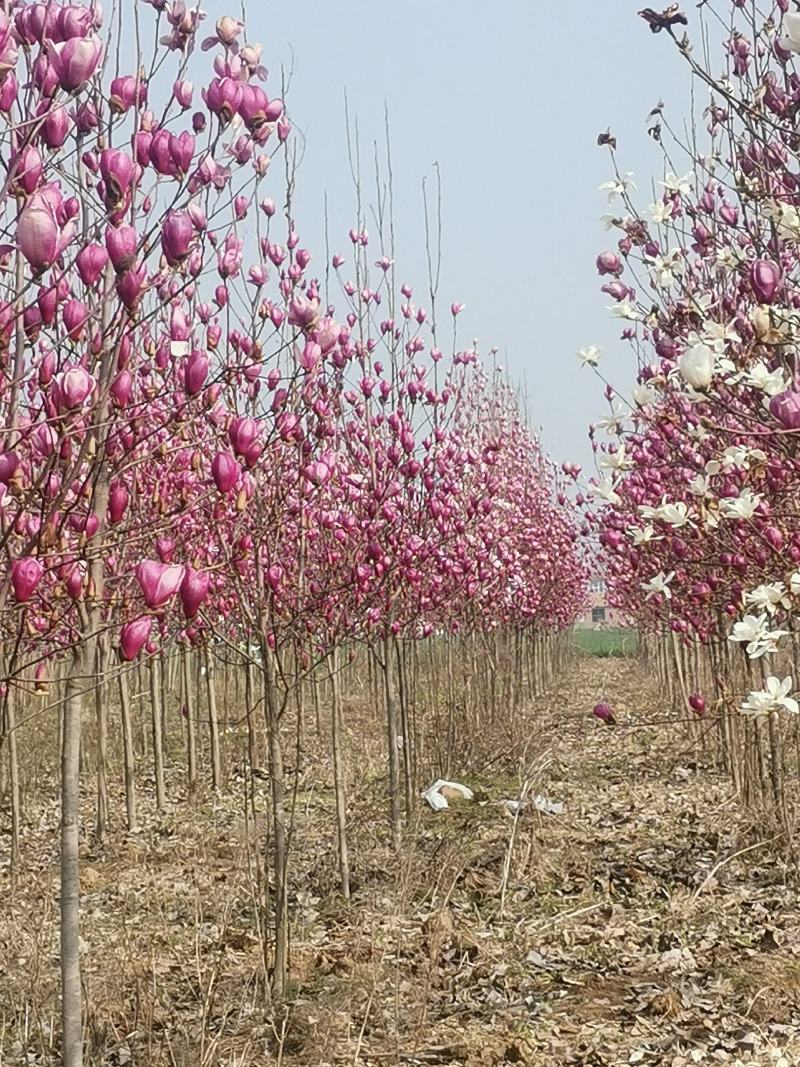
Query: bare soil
point(652, 922)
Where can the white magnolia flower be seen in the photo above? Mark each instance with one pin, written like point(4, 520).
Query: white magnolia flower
point(666, 269)
point(790, 41)
point(611, 222)
point(613, 424)
point(788, 221)
point(589, 356)
point(615, 461)
point(673, 184)
point(605, 491)
point(647, 511)
point(642, 535)
point(770, 382)
point(726, 257)
point(643, 395)
point(738, 457)
point(744, 506)
point(698, 432)
point(768, 596)
point(618, 186)
point(794, 584)
point(719, 334)
point(700, 485)
point(697, 366)
point(660, 212)
point(754, 631)
point(625, 310)
point(773, 697)
point(677, 515)
point(659, 585)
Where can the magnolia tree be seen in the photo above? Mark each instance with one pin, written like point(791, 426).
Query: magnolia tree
point(698, 469)
point(199, 451)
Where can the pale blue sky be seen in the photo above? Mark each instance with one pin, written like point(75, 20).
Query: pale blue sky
point(508, 98)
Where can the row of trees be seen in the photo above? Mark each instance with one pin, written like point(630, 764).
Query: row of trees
point(200, 452)
point(699, 482)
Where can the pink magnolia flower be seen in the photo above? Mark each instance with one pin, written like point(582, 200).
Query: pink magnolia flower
point(225, 471)
point(25, 577)
point(177, 235)
point(75, 60)
point(158, 581)
point(40, 237)
point(133, 636)
point(193, 591)
point(604, 713)
point(73, 386)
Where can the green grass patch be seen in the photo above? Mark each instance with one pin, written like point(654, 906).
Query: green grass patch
point(606, 642)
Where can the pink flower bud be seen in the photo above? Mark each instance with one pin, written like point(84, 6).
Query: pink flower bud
point(165, 547)
point(117, 501)
point(609, 263)
point(785, 407)
point(25, 577)
point(225, 471)
point(177, 234)
point(182, 92)
point(73, 386)
point(196, 372)
point(697, 703)
point(134, 635)
point(9, 464)
point(122, 388)
point(766, 279)
point(75, 315)
point(39, 236)
point(193, 591)
point(26, 168)
point(158, 581)
point(75, 61)
point(121, 244)
point(604, 713)
point(126, 92)
point(243, 433)
point(91, 261)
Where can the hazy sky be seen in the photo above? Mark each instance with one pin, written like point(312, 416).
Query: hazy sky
point(508, 99)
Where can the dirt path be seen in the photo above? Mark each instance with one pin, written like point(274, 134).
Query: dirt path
point(620, 931)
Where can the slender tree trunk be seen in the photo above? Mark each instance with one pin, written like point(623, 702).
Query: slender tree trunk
point(213, 722)
point(188, 704)
point(13, 776)
point(280, 961)
point(155, 722)
point(339, 785)
point(128, 758)
point(101, 658)
point(394, 737)
point(71, 1023)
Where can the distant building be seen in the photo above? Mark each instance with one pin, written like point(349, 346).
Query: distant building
point(599, 614)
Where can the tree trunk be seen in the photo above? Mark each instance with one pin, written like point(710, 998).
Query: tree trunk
point(338, 778)
point(280, 960)
point(213, 722)
point(158, 745)
point(129, 760)
point(101, 659)
point(188, 705)
point(71, 1025)
point(394, 736)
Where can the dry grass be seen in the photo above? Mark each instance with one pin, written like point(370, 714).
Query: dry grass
point(613, 933)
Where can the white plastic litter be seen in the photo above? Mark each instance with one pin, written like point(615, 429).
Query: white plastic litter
point(548, 806)
point(541, 803)
point(436, 799)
